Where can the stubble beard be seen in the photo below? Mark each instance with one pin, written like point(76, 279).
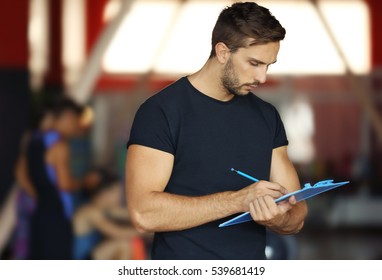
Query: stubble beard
point(231, 82)
point(229, 79)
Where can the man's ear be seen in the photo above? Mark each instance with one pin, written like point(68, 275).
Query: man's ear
point(222, 52)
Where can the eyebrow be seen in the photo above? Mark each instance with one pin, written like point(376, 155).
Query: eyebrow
point(261, 62)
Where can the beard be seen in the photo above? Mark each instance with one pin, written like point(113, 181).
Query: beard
point(231, 82)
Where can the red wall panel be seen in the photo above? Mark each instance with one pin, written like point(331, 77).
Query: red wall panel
point(13, 33)
point(376, 32)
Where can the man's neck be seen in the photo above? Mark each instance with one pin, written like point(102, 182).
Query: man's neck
point(207, 80)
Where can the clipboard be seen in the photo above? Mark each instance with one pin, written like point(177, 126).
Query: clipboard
point(307, 192)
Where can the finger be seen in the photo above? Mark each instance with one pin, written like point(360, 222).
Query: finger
point(283, 190)
point(276, 187)
point(264, 208)
point(268, 189)
point(274, 194)
point(272, 206)
point(258, 210)
point(252, 211)
point(292, 200)
point(284, 207)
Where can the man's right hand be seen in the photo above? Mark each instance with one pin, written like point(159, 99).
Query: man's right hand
point(259, 189)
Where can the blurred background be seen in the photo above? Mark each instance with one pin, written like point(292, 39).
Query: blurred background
point(111, 55)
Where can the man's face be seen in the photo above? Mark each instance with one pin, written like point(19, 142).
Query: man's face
point(247, 67)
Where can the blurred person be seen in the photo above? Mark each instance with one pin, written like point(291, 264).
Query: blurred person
point(47, 161)
point(21, 173)
point(185, 139)
point(26, 194)
point(102, 229)
point(46, 123)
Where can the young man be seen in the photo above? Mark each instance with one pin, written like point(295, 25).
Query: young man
point(185, 139)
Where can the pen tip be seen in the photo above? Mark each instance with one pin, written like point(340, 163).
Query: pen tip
point(233, 169)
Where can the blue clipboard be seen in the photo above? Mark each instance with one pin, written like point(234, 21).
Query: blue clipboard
point(307, 192)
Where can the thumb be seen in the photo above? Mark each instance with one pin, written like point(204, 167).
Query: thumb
point(292, 200)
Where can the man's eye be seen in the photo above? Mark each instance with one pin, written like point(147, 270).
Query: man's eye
point(254, 64)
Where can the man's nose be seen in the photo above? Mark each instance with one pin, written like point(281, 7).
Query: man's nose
point(261, 75)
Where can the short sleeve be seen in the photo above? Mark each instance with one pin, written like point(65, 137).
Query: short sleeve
point(151, 128)
point(280, 138)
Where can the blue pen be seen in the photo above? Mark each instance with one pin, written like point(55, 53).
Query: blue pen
point(244, 175)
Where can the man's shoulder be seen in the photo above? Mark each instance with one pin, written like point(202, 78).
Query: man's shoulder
point(263, 105)
point(170, 94)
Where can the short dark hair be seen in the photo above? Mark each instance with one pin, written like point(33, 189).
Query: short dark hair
point(242, 21)
point(63, 104)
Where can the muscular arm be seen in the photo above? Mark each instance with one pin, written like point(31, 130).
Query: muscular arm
point(286, 217)
point(152, 210)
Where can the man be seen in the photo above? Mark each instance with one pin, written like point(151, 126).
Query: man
point(185, 139)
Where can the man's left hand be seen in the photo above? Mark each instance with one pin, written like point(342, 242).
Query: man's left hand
point(265, 211)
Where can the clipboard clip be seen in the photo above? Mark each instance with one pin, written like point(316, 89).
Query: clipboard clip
point(324, 183)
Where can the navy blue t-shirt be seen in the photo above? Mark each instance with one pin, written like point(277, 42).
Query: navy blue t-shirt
point(207, 137)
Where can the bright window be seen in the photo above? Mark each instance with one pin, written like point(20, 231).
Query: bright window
point(171, 37)
point(140, 36)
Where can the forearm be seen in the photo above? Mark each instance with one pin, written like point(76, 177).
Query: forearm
point(169, 212)
point(284, 173)
point(292, 221)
